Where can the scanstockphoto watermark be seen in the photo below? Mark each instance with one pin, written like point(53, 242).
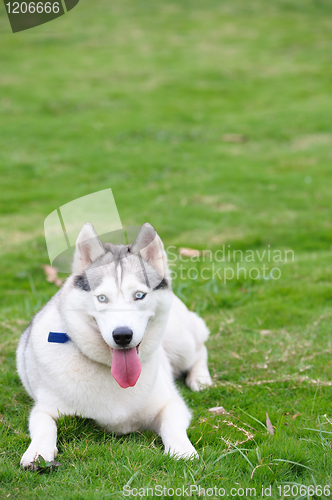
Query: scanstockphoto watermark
point(27, 14)
point(187, 491)
point(292, 490)
point(264, 264)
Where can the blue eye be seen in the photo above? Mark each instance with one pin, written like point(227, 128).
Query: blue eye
point(139, 295)
point(102, 298)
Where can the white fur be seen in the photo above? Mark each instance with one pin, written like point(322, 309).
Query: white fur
point(75, 378)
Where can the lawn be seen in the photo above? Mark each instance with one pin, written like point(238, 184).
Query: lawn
point(147, 98)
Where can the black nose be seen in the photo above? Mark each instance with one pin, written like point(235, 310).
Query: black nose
point(122, 335)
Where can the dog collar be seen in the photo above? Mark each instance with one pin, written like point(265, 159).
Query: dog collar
point(58, 338)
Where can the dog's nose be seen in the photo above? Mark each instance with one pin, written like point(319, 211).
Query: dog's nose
point(122, 335)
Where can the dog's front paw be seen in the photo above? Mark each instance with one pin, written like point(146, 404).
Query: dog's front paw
point(188, 452)
point(32, 454)
point(197, 382)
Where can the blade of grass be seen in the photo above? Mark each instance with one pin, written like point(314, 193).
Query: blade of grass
point(294, 463)
point(258, 421)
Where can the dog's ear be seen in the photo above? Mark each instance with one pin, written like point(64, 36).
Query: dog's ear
point(88, 248)
point(151, 249)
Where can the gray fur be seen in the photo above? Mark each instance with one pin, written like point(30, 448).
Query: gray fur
point(119, 255)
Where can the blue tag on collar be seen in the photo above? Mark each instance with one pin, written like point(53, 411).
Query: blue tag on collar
point(58, 338)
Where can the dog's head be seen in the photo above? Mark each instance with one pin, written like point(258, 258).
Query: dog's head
point(126, 291)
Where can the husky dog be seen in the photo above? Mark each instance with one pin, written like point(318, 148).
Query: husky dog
point(109, 344)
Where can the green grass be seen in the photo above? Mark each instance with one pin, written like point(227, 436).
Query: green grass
point(136, 96)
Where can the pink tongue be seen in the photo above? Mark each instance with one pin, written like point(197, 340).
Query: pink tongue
point(126, 367)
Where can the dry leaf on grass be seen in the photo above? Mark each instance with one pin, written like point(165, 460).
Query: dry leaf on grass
point(233, 138)
point(295, 416)
point(52, 275)
point(189, 252)
point(269, 425)
point(265, 332)
point(218, 410)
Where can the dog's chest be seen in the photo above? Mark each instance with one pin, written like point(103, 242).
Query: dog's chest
point(89, 389)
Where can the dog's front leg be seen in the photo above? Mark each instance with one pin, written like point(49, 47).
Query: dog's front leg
point(171, 424)
point(43, 434)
